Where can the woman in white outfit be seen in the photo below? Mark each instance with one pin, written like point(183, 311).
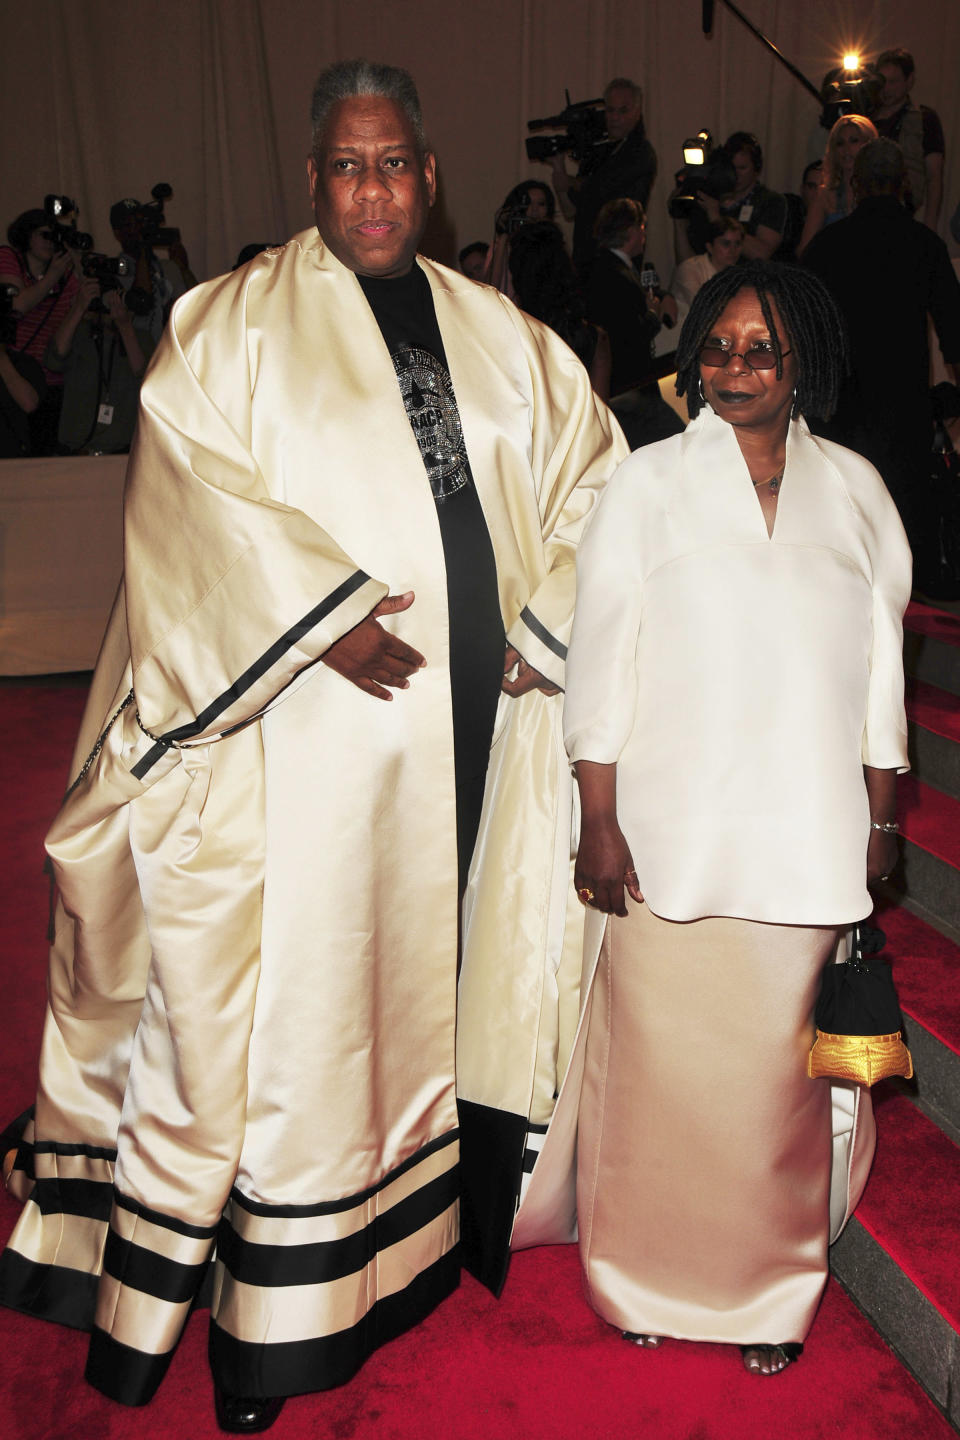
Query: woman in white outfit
point(734, 710)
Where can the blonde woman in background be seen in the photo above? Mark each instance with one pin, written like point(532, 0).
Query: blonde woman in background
point(834, 199)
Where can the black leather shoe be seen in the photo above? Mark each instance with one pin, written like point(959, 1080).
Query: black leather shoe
point(246, 1414)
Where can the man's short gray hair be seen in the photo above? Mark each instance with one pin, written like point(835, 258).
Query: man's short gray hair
point(880, 169)
point(346, 79)
point(621, 83)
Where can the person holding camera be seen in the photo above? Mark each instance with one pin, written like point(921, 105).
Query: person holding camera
point(916, 129)
point(529, 203)
point(761, 212)
point(101, 357)
point(629, 169)
point(43, 285)
point(155, 282)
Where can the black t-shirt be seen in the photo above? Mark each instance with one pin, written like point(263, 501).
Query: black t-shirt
point(403, 308)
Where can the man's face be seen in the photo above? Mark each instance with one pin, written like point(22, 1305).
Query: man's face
point(371, 190)
point(747, 175)
point(622, 110)
point(896, 87)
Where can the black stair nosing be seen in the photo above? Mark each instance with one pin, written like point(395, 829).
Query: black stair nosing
point(934, 758)
point(935, 1087)
point(933, 661)
point(921, 1337)
point(932, 881)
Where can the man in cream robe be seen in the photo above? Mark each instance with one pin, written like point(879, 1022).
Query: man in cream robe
point(249, 1044)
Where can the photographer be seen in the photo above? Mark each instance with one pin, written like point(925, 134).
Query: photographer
point(528, 203)
point(43, 285)
point(101, 357)
point(761, 212)
point(157, 283)
point(628, 169)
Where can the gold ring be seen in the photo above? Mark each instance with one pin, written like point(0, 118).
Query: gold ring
point(585, 895)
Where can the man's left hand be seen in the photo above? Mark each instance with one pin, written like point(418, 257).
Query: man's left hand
point(527, 678)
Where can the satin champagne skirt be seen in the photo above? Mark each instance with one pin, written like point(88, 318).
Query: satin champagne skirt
point(704, 1150)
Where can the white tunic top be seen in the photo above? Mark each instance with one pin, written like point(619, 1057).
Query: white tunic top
point(741, 680)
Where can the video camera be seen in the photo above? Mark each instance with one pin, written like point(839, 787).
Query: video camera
point(583, 128)
point(62, 214)
point(849, 89)
point(8, 316)
point(154, 230)
point(706, 168)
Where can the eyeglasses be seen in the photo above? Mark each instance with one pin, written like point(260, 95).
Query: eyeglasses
point(758, 357)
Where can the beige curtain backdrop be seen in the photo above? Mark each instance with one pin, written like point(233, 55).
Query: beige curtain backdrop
point(101, 100)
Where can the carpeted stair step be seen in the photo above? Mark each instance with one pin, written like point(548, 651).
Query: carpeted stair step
point(931, 646)
point(933, 717)
point(929, 867)
point(926, 967)
point(899, 1257)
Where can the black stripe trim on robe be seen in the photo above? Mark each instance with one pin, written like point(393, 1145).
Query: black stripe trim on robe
point(320, 1262)
point(350, 1202)
point(168, 1222)
point(55, 1195)
point(63, 1147)
point(141, 1269)
point(122, 1373)
point(492, 1144)
point(50, 1292)
point(295, 1367)
point(252, 674)
point(537, 628)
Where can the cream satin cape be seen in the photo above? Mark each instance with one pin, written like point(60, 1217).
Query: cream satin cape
point(251, 1029)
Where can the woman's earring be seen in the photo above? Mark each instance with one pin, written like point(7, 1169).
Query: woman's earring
point(703, 398)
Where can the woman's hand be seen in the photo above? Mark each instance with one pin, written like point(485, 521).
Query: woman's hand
point(882, 855)
point(882, 851)
point(605, 867)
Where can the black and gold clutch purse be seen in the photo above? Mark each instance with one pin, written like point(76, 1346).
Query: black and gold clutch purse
point(859, 1024)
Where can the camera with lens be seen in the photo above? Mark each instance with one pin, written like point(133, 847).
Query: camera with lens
point(706, 168)
point(583, 134)
point(8, 316)
point(107, 270)
point(849, 90)
point(62, 213)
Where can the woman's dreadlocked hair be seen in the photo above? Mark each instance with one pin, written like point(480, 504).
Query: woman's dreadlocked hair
point(814, 331)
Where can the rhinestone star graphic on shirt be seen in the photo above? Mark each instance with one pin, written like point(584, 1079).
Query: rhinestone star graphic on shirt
point(431, 408)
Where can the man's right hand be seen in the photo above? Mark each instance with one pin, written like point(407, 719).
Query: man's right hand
point(370, 657)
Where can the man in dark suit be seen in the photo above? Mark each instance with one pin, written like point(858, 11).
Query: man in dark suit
point(631, 314)
point(887, 274)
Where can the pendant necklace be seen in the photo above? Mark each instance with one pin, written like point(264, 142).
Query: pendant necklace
point(775, 481)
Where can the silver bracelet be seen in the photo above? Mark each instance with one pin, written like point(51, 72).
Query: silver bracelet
point(889, 827)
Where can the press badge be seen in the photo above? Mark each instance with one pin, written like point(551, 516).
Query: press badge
point(105, 415)
point(745, 212)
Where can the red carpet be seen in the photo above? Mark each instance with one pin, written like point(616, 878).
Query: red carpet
point(937, 624)
point(929, 818)
point(910, 1220)
point(927, 972)
point(537, 1365)
point(934, 709)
